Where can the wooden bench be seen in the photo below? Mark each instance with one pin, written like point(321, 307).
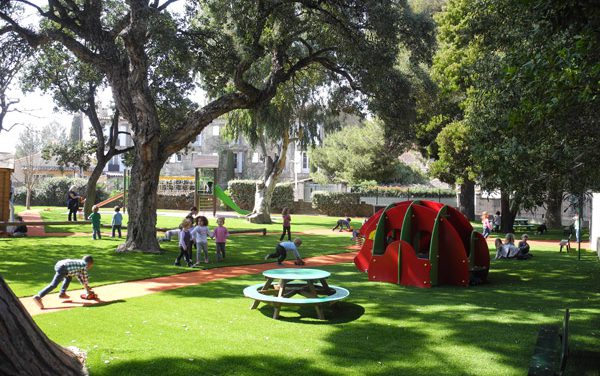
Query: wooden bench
point(551, 350)
point(270, 296)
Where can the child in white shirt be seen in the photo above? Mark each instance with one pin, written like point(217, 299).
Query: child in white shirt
point(200, 234)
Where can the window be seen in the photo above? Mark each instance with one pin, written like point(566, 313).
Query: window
point(215, 130)
point(238, 159)
point(199, 140)
point(255, 158)
point(175, 158)
point(305, 165)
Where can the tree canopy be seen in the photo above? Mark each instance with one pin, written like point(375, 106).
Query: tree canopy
point(527, 90)
point(240, 52)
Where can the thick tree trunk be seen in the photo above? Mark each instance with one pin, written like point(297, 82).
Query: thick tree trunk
point(262, 201)
point(24, 348)
point(466, 199)
point(554, 209)
point(264, 189)
point(90, 189)
point(141, 203)
point(508, 211)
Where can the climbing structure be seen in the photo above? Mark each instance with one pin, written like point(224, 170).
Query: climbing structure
point(422, 244)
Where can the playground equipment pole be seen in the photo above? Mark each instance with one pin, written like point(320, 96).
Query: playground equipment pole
point(196, 186)
point(214, 192)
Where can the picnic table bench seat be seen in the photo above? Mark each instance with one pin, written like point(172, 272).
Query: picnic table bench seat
point(270, 297)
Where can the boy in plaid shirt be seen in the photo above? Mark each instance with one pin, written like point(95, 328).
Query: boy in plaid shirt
point(66, 270)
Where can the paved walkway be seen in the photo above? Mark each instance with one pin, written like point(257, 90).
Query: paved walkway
point(121, 291)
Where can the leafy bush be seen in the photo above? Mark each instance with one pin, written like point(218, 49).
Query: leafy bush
point(333, 203)
point(242, 192)
point(402, 191)
point(53, 191)
point(283, 197)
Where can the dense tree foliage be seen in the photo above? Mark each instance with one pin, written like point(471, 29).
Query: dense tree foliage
point(528, 92)
point(358, 153)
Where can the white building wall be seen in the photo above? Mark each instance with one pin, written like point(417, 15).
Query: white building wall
point(595, 222)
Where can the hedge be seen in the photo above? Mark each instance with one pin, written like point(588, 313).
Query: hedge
point(53, 191)
point(340, 204)
point(403, 191)
point(242, 192)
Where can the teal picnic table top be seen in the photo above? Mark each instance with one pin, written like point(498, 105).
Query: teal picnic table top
point(300, 274)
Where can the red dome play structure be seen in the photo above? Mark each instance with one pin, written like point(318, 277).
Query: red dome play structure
point(422, 244)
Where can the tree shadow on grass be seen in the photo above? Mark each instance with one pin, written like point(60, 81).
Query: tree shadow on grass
point(227, 365)
point(339, 313)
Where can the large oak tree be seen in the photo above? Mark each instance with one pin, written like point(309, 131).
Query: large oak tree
point(239, 52)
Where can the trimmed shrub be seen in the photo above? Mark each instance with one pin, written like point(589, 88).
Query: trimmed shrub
point(283, 197)
point(340, 204)
point(406, 192)
point(242, 192)
point(53, 191)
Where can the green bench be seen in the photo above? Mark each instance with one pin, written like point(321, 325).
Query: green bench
point(551, 350)
point(260, 295)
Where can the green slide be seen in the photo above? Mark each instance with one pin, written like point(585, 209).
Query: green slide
point(221, 195)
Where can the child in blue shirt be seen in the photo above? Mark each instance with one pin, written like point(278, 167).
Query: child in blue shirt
point(117, 221)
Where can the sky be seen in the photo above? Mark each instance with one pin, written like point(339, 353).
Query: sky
point(36, 109)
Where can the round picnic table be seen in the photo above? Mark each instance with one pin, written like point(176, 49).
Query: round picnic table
point(310, 283)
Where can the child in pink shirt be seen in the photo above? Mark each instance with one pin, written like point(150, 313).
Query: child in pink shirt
point(287, 221)
point(220, 235)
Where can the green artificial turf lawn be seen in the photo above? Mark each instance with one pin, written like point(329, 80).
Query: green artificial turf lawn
point(172, 219)
point(27, 264)
point(381, 329)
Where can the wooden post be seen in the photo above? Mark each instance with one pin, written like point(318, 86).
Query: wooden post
point(213, 192)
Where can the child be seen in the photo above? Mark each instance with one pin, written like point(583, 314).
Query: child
point(65, 271)
point(117, 221)
point(95, 218)
point(341, 223)
point(287, 219)
point(200, 234)
point(220, 235)
point(524, 248)
point(497, 221)
point(185, 243)
point(508, 249)
point(487, 225)
point(356, 236)
point(281, 251)
point(20, 230)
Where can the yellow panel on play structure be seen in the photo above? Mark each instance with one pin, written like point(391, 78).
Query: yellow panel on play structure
point(176, 178)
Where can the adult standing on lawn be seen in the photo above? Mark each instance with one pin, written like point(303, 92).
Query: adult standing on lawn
point(73, 203)
point(65, 271)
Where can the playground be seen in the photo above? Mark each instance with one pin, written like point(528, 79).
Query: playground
point(155, 318)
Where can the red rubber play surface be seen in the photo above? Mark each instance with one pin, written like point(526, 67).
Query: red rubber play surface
point(122, 291)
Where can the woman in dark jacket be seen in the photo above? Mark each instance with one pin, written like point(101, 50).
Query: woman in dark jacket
point(73, 203)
